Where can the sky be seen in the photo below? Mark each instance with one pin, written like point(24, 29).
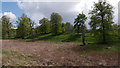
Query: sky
point(37, 9)
point(12, 7)
point(12, 10)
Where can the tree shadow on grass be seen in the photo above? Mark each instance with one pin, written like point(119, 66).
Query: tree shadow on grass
point(48, 37)
point(72, 38)
point(94, 47)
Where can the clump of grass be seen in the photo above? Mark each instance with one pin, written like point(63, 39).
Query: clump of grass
point(59, 49)
point(8, 53)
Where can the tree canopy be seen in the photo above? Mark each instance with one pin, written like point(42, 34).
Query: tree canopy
point(56, 20)
point(101, 21)
point(80, 22)
point(45, 25)
point(23, 27)
point(6, 27)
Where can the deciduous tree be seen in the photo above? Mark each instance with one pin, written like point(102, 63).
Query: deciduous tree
point(56, 20)
point(80, 22)
point(45, 25)
point(6, 27)
point(63, 27)
point(101, 21)
point(24, 27)
point(68, 27)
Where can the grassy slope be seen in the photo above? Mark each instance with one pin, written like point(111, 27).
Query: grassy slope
point(67, 37)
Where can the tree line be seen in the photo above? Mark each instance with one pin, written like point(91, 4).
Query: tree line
point(102, 27)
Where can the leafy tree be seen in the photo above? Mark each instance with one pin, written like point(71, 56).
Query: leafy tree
point(116, 34)
point(45, 25)
point(0, 28)
point(80, 22)
point(101, 21)
point(119, 31)
point(115, 29)
point(13, 33)
point(6, 27)
point(78, 29)
point(37, 31)
point(63, 27)
point(32, 31)
point(56, 20)
point(68, 27)
point(23, 28)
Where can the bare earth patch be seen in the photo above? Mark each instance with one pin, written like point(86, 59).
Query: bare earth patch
point(42, 53)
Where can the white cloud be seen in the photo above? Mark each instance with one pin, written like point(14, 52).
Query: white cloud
point(114, 3)
point(68, 9)
point(10, 15)
point(38, 10)
point(9, 0)
point(86, 6)
point(1, 15)
point(49, 0)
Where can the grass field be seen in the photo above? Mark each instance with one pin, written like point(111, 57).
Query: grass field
point(66, 37)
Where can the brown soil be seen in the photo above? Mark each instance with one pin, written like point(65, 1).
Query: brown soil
point(42, 53)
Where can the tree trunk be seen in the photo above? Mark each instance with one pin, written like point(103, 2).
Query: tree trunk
point(78, 29)
point(83, 35)
point(8, 30)
point(104, 38)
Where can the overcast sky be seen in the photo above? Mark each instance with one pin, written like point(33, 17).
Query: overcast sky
point(68, 9)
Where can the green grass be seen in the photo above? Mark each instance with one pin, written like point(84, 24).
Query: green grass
point(104, 47)
point(8, 53)
point(66, 37)
point(99, 48)
point(13, 57)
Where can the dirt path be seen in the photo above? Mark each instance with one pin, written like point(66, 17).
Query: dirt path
point(43, 53)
